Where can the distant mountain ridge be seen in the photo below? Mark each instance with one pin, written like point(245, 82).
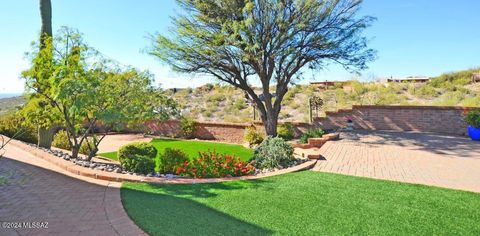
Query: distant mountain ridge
point(9, 104)
point(9, 95)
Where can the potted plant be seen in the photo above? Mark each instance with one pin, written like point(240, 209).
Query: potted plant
point(350, 124)
point(473, 120)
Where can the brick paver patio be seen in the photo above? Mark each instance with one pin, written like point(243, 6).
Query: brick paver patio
point(69, 205)
point(444, 161)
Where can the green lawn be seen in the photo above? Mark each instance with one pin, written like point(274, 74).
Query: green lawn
point(191, 148)
point(303, 203)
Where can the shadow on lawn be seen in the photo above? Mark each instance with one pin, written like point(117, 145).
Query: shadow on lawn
point(162, 214)
point(210, 189)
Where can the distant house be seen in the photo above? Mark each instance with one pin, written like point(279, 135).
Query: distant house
point(476, 77)
point(329, 84)
point(410, 79)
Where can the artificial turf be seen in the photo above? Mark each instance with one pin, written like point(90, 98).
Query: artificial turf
point(303, 203)
point(192, 148)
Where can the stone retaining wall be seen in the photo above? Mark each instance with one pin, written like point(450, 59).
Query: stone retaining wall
point(224, 132)
point(436, 119)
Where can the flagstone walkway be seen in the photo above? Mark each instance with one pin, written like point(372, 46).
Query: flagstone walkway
point(431, 159)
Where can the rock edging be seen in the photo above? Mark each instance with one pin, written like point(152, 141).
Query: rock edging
point(118, 177)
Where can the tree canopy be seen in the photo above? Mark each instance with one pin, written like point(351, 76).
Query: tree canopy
point(83, 90)
point(266, 42)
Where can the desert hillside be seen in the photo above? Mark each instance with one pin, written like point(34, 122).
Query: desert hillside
point(10, 104)
point(225, 103)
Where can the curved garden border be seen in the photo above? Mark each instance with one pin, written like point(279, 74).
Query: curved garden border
point(117, 177)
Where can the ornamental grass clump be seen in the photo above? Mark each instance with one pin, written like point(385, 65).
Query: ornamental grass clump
point(252, 136)
point(273, 153)
point(215, 165)
point(138, 157)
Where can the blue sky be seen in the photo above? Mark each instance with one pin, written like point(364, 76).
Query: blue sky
point(412, 37)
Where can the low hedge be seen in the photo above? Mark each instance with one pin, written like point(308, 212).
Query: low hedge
point(170, 159)
point(138, 157)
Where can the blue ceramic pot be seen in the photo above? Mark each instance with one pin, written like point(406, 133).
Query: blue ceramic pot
point(474, 133)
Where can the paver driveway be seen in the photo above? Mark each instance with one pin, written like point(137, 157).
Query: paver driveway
point(444, 161)
point(70, 206)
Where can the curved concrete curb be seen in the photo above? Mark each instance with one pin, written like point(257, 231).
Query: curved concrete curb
point(116, 177)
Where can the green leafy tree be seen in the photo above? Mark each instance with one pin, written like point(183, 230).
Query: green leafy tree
point(267, 42)
point(87, 91)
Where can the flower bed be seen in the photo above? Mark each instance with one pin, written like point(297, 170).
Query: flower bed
point(214, 165)
point(209, 164)
point(80, 168)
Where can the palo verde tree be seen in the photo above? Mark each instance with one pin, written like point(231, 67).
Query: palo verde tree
point(266, 42)
point(86, 91)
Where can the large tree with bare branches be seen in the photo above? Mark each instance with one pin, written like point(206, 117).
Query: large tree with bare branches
point(267, 42)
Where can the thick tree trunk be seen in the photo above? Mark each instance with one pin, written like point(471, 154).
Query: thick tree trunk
point(270, 121)
point(75, 151)
point(45, 137)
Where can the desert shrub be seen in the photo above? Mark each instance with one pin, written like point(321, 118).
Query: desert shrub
point(286, 131)
point(240, 104)
point(170, 159)
point(426, 92)
point(188, 127)
point(311, 133)
point(216, 97)
point(13, 125)
point(294, 105)
point(291, 93)
point(385, 96)
point(472, 101)
point(473, 118)
point(450, 99)
point(60, 140)
point(273, 153)
point(456, 78)
point(358, 87)
point(138, 157)
point(214, 165)
point(252, 136)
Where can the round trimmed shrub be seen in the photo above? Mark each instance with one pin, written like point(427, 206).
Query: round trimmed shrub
point(286, 131)
point(170, 159)
point(273, 153)
point(311, 133)
point(139, 164)
point(138, 157)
